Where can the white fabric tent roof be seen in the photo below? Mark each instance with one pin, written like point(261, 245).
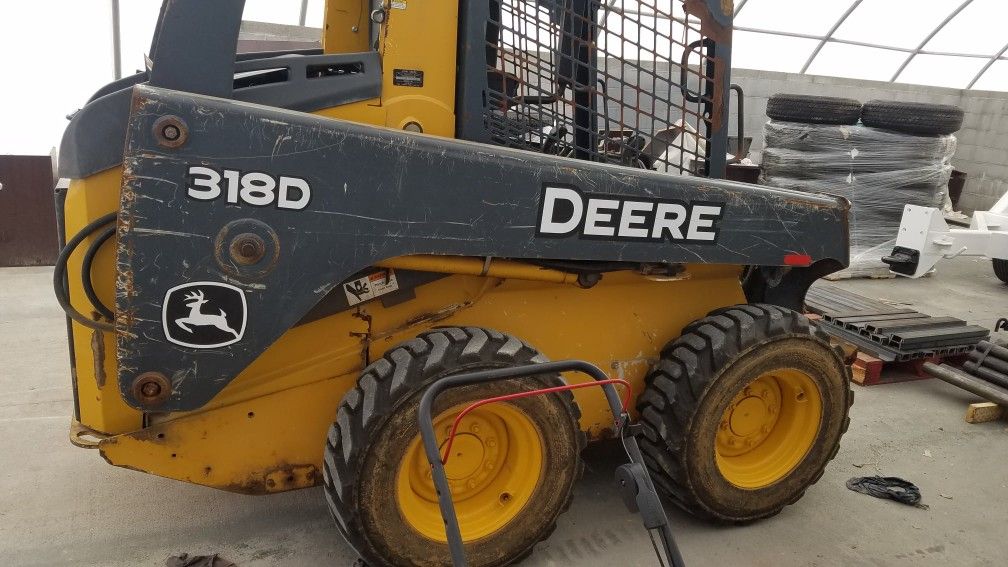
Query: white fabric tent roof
point(947, 43)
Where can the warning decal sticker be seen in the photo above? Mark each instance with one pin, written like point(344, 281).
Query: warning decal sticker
point(370, 286)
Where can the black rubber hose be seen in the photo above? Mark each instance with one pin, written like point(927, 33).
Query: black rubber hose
point(89, 257)
point(62, 294)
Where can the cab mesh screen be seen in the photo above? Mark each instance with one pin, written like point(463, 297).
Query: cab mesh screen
point(627, 82)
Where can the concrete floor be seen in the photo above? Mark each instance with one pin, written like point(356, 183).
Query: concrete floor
point(60, 505)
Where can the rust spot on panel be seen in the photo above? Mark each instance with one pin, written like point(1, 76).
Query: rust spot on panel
point(424, 319)
point(280, 479)
point(709, 26)
point(98, 352)
point(85, 437)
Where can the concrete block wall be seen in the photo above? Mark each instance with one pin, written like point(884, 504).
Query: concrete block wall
point(982, 150)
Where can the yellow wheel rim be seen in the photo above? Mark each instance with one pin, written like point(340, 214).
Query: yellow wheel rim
point(768, 428)
point(495, 466)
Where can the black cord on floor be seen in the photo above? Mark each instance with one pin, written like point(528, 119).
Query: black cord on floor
point(890, 487)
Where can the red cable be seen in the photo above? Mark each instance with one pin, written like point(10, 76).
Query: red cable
point(530, 393)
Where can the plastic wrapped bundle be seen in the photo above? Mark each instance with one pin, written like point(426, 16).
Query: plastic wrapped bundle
point(877, 171)
point(820, 138)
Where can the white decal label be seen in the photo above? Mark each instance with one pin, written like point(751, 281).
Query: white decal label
point(204, 314)
point(566, 212)
point(370, 287)
point(253, 188)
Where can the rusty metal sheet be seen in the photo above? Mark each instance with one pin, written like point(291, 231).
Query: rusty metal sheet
point(27, 211)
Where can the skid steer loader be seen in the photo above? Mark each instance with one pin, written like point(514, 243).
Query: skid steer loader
point(269, 257)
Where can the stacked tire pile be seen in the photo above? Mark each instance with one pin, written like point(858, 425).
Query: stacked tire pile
point(880, 156)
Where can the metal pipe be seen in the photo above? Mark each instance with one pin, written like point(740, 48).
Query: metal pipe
point(995, 350)
point(304, 12)
point(987, 66)
point(470, 266)
point(829, 35)
point(432, 448)
point(925, 41)
point(116, 49)
point(910, 51)
point(60, 193)
point(740, 103)
point(988, 374)
point(969, 383)
point(858, 43)
point(425, 418)
point(992, 362)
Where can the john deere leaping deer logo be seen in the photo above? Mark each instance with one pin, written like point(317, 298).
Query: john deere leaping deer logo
point(197, 318)
point(204, 315)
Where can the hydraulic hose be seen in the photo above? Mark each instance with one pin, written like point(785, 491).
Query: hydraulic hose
point(86, 280)
point(59, 275)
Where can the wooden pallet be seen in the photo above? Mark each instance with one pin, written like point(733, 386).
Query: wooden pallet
point(872, 333)
point(866, 370)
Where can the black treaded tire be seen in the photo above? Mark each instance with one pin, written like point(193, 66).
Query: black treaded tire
point(1000, 269)
point(698, 375)
point(917, 118)
point(378, 419)
point(809, 109)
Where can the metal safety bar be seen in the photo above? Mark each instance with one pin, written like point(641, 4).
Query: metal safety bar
point(638, 490)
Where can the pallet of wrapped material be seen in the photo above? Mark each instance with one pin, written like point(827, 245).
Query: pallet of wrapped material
point(878, 171)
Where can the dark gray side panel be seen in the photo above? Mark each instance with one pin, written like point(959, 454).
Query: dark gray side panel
point(375, 194)
point(193, 50)
point(359, 78)
point(94, 139)
point(195, 45)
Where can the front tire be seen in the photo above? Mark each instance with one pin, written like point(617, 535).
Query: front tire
point(743, 412)
point(512, 468)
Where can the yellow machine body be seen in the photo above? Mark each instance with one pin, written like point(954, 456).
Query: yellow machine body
point(265, 431)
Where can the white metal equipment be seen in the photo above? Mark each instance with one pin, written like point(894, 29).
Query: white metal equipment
point(925, 238)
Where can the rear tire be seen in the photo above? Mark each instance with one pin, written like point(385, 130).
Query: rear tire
point(1000, 269)
point(813, 109)
point(917, 118)
point(757, 378)
point(515, 470)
